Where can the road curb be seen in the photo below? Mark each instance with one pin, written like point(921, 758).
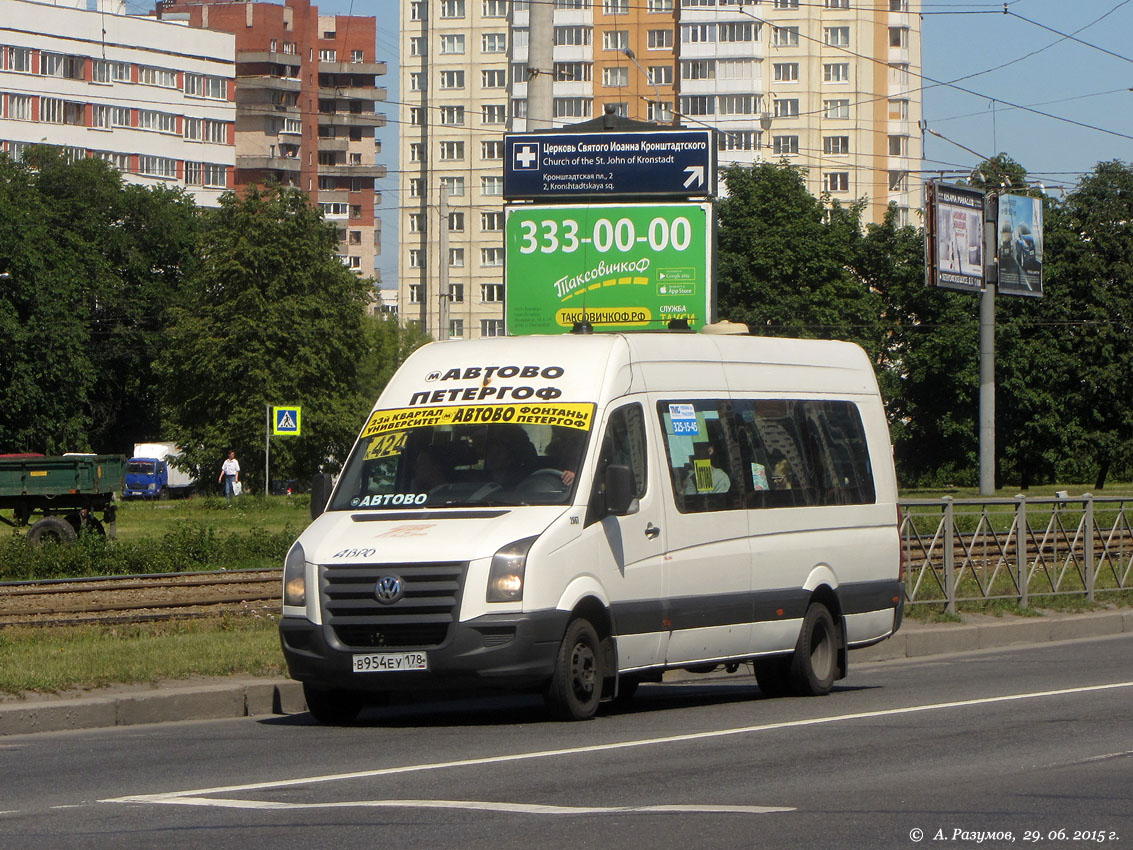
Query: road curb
point(231, 698)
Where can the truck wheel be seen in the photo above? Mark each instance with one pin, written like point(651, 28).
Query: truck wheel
point(815, 661)
point(575, 688)
point(332, 706)
point(771, 674)
point(52, 529)
point(163, 496)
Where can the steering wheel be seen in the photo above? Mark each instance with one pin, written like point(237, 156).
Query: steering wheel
point(549, 481)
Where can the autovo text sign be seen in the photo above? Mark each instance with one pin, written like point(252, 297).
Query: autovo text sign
point(617, 266)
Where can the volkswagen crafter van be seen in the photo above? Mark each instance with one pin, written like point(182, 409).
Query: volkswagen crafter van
point(577, 514)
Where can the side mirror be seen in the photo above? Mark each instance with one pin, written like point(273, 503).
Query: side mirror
point(621, 497)
point(321, 486)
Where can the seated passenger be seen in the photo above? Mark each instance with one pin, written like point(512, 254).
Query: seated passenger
point(706, 476)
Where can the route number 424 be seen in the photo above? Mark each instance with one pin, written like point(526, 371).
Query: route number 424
point(551, 237)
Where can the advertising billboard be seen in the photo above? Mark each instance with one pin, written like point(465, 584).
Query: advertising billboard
point(618, 266)
point(956, 236)
point(1020, 229)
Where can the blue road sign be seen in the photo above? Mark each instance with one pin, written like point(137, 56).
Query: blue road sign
point(286, 421)
point(614, 164)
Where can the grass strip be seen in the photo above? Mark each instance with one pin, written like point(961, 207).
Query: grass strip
point(63, 658)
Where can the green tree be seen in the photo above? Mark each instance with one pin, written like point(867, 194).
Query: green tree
point(274, 318)
point(783, 260)
point(388, 343)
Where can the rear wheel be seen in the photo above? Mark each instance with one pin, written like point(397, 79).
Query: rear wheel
point(815, 661)
point(575, 688)
point(772, 675)
point(52, 529)
point(328, 706)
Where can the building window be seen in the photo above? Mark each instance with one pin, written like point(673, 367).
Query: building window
point(418, 46)
point(740, 32)
point(698, 33)
point(451, 151)
point(836, 108)
point(493, 42)
point(455, 261)
point(898, 110)
point(216, 176)
point(415, 290)
point(786, 107)
point(785, 145)
point(837, 4)
point(660, 75)
point(455, 328)
point(836, 181)
point(615, 40)
point(491, 292)
point(194, 174)
point(898, 181)
point(452, 8)
point(495, 78)
point(615, 77)
point(456, 222)
point(898, 145)
point(735, 69)
point(615, 7)
point(151, 76)
point(740, 140)
point(659, 39)
point(836, 72)
point(737, 104)
point(698, 105)
point(491, 257)
point(193, 128)
point(328, 54)
point(157, 166)
point(573, 36)
point(785, 37)
point(415, 257)
point(455, 186)
point(416, 223)
point(100, 71)
point(491, 327)
point(836, 36)
point(452, 43)
point(786, 72)
point(19, 59)
point(836, 145)
point(416, 187)
point(452, 115)
point(494, 113)
point(492, 185)
point(493, 9)
point(786, 4)
point(61, 65)
point(416, 81)
point(491, 222)
point(161, 122)
point(573, 72)
point(492, 150)
point(519, 107)
point(898, 5)
point(357, 57)
point(452, 79)
point(660, 111)
point(659, 5)
point(416, 152)
point(572, 107)
point(202, 85)
point(898, 37)
point(417, 11)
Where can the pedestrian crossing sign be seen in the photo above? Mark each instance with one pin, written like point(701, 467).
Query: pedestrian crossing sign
point(286, 421)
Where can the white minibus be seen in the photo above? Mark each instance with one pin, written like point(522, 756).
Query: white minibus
point(577, 514)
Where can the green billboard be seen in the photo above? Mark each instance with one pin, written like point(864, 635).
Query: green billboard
point(618, 266)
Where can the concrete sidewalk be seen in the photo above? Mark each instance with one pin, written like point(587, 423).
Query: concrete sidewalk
point(216, 699)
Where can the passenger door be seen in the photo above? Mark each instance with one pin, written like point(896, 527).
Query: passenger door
point(630, 548)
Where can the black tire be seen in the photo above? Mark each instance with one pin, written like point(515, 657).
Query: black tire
point(328, 706)
point(814, 664)
point(52, 529)
point(772, 674)
point(575, 688)
point(163, 495)
point(627, 688)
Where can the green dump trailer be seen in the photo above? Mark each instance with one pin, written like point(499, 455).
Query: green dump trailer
point(66, 493)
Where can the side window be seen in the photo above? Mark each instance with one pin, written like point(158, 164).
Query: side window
point(623, 444)
point(799, 453)
point(704, 461)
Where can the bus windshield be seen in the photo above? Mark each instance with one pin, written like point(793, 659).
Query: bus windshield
point(480, 455)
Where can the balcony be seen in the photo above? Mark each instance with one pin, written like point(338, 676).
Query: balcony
point(266, 162)
point(291, 60)
point(276, 109)
point(351, 119)
point(368, 68)
point(344, 170)
point(267, 82)
point(366, 93)
point(338, 143)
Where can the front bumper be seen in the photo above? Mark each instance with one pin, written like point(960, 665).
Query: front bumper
point(501, 651)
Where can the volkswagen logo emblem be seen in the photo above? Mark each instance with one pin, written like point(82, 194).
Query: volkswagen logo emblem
point(388, 590)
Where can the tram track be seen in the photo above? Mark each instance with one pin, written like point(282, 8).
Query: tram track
point(118, 600)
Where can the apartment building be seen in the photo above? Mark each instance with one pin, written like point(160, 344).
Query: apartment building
point(154, 99)
point(306, 91)
point(831, 85)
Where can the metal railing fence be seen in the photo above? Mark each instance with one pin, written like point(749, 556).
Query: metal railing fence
point(969, 550)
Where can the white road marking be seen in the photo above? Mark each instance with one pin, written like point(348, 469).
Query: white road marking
point(175, 796)
point(475, 805)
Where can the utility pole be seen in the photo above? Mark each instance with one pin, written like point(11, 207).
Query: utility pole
point(540, 65)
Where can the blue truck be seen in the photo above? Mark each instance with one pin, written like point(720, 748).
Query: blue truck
point(151, 474)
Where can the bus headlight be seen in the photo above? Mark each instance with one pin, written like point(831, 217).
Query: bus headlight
point(295, 576)
point(505, 579)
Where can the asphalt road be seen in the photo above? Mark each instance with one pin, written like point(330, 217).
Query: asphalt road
point(958, 751)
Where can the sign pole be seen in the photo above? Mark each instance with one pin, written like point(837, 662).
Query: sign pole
point(267, 449)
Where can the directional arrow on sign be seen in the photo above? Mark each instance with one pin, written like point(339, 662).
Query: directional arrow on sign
point(695, 176)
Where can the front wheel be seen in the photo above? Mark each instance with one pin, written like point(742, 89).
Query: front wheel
point(332, 706)
point(52, 529)
point(575, 688)
point(815, 661)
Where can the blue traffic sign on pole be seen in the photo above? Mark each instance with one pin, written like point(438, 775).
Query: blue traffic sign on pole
point(613, 164)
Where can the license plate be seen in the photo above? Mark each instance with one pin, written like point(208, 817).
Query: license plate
point(390, 662)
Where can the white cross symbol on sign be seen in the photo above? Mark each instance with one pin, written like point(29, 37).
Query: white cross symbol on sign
point(526, 156)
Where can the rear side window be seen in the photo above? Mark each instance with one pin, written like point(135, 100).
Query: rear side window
point(765, 453)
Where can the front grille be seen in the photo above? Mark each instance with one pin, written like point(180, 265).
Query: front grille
point(420, 619)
